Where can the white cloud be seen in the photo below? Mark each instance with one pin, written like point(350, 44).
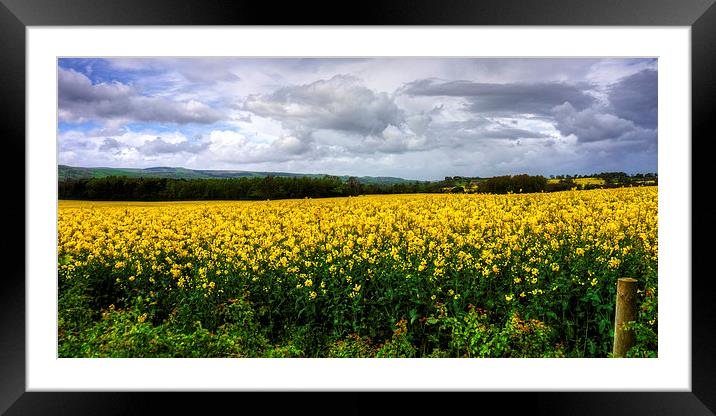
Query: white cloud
point(81, 101)
point(412, 117)
point(339, 103)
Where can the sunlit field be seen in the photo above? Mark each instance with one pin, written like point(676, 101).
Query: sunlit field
point(420, 275)
point(582, 181)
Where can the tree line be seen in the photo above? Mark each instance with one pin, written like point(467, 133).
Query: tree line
point(120, 188)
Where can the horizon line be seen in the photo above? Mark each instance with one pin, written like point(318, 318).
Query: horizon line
point(357, 176)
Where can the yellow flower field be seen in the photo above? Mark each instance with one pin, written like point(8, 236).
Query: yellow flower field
point(359, 266)
point(581, 181)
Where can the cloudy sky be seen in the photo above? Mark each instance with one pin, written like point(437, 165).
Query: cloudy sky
point(414, 118)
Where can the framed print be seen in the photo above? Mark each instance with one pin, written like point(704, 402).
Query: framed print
point(301, 101)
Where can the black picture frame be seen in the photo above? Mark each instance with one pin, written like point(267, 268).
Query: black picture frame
point(16, 15)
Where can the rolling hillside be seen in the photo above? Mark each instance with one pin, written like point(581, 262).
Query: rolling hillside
point(65, 172)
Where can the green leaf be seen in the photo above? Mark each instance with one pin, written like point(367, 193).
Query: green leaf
point(592, 348)
point(413, 314)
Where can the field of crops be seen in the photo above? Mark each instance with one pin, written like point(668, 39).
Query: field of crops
point(582, 181)
point(430, 275)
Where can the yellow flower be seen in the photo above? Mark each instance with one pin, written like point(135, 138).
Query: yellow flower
point(379, 238)
point(614, 263)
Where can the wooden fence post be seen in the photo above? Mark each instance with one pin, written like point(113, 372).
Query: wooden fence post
point(625, 312)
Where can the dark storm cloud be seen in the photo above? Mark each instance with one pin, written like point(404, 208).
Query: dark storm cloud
point(80, 100)
point(589, 125)
point(461, 132)
point(340, 103)
point(593, 125)
point(635, 98)
point(513, 98)
point(630, 114)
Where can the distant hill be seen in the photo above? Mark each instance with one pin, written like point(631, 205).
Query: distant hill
point(65, 172)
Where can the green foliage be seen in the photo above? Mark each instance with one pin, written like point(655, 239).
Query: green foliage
point(645, 327)
point(131, 333)
point(438, 353)
point(126, 334)
point(514, 184)
point(284, 351)
point(263, 324)
point(475, 335)
point(74, 315)
point(399, 345)
point(128, 188)
point(181, 323)
point(611, 180)
point(353, 346)
point(171, 184)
